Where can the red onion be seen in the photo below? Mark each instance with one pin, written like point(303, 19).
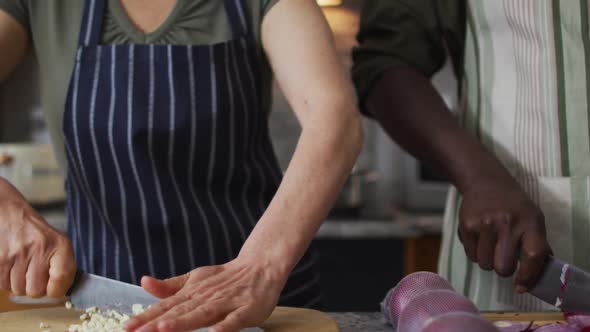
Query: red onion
point(431, 304)
point(578, 319)
point(408, 288)
point(457, 322)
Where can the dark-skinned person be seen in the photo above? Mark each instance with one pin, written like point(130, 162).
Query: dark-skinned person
point(517, 151)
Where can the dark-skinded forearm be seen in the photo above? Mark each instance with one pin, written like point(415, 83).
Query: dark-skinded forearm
point(498, 223)
point(416, 117)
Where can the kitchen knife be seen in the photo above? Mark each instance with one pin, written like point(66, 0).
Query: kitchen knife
point(564, 286)
point(90, 290)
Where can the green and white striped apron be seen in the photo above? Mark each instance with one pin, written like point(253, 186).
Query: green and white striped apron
point(527, 84)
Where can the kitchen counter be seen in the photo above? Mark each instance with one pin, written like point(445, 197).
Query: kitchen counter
point(361, 322)
point(402, 226)
point(374, 321)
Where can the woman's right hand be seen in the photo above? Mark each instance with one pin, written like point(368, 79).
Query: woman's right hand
point(35, 259)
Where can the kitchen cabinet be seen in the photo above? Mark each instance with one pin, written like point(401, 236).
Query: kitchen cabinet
point(421, 253)
point(357, 273)
point(360, 260)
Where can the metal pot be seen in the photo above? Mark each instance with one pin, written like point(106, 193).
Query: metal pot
point(352, 197)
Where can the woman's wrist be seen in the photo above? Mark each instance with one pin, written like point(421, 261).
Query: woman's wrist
point(275, 253)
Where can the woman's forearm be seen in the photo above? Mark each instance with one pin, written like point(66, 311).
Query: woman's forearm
point(320, 92)
point(323, 159)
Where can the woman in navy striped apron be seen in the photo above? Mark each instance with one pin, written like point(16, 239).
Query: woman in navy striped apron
point(171, 171)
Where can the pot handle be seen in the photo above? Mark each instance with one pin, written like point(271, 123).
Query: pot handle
point(6, 159)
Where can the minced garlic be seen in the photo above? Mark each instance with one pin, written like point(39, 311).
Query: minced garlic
point(94, 320)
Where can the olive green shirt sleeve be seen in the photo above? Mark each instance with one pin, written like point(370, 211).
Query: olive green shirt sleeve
point(17, 9)
point(410, 33)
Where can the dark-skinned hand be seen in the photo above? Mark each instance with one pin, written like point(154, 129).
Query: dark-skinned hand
point(497, 224)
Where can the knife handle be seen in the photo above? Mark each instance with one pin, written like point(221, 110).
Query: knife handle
point(77, 277)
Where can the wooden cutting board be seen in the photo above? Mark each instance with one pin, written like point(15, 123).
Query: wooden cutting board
point(58, 319)
point(540, 318)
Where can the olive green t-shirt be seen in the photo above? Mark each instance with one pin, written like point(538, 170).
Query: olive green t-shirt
point(408, 33)
point(54, 26)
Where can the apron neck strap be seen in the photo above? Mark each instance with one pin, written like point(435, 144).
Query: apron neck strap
point(93, 17)
point(91, 28)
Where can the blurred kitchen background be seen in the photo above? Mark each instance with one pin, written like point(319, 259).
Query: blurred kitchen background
point(387, 220)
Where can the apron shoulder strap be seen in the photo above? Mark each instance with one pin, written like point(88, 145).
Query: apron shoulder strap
point(238, 19)
point(91, 27)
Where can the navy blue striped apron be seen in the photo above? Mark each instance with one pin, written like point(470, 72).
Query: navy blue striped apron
point(170, 163)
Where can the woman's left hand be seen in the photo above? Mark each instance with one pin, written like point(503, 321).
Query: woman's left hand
point(240, 294)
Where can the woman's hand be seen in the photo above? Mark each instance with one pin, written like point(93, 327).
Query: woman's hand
point(35, 259)
point(496, 223)
point(240, 294)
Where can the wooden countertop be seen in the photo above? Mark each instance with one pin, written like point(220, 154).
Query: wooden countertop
point(348, 322)
point(7, 305)
point(540, 318)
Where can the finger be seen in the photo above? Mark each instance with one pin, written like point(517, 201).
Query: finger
point(154, 312)
point(200, 317)
point(37, 278)
point(505, 257)
point(18, 280)
point(188, 307)
point(534, 252)
point(234, 322)
point(486, 245)
point(62, 270)
point(5, 268)
point(164, 288)
point(468, 236)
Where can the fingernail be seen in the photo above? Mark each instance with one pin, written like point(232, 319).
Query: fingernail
point(130, 324)
point(167, 324)
point(520, 289)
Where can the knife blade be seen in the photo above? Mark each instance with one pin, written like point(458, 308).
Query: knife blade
point(564, 286)
point(89, 290)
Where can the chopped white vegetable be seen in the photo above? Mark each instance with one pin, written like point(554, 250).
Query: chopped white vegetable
point(502, 324)
point(92, 310)
point(95, 320)
point(69, 305)
point(43, 326)
point(137, 309)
